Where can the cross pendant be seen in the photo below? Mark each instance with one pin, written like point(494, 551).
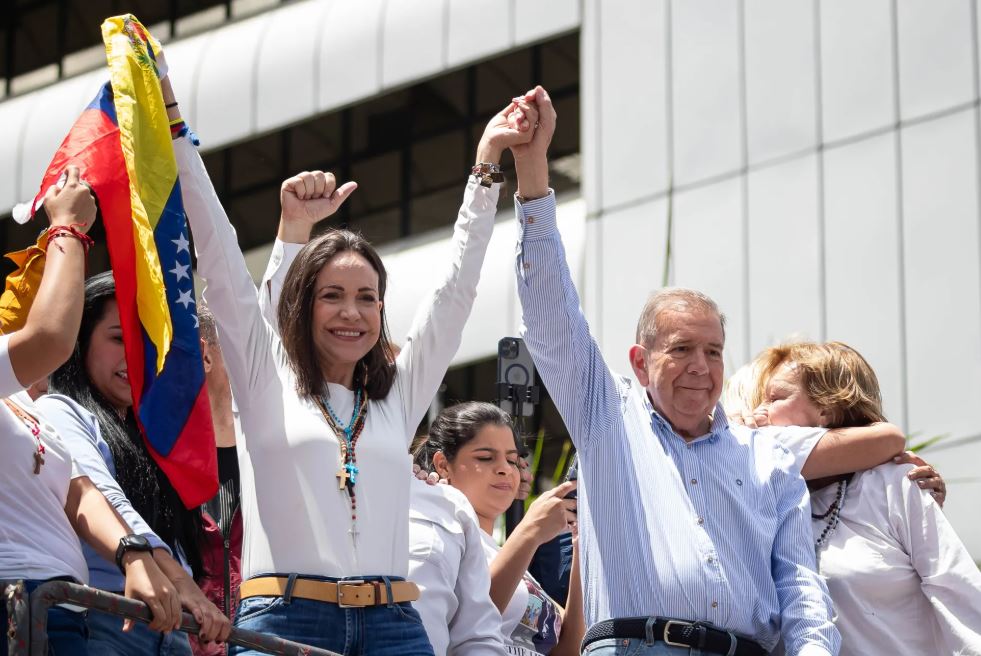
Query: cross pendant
point(38, 461)
point(342, 477)
point(352, 471)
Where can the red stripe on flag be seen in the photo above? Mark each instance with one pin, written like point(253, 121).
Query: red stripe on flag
point(191, 469)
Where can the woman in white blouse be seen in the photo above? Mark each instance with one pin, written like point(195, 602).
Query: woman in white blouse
point(328, 414)
point(44, 497)
point(474, 447)
point(901, 580)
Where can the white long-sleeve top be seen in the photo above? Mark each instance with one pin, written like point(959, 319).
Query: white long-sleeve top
point(446, 560)
point(295, 517)
point(902, 582)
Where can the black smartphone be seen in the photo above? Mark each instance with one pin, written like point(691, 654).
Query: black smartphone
point(516, 372)
point(572, 474)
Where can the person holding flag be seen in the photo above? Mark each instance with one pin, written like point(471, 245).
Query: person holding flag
point(131, 402)
point(46, 500)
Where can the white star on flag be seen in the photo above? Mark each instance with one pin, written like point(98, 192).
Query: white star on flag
point(182, 243)
point(180, 270)
point(185, 299)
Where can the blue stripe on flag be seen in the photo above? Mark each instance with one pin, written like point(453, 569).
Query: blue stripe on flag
point(103, 102)
point(168, 399)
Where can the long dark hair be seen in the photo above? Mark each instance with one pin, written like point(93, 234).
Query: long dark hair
point(295, 315)
point(144, 484)
point(457, 425)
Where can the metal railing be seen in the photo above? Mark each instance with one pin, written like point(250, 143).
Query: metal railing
point(27, 615)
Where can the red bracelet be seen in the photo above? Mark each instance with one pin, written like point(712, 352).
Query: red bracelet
point(56, 231)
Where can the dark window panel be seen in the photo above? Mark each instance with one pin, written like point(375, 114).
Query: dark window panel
point(436, 210)
point(257, 162)
point(255, 216)
point(379, 227)
point(186, 7)
point(378, 181)
point(438, 162)
point(560, 61)
point(34, 39)
point(368, 125)
point(316, 144)
point(502, 78)
point(214, 162)
point(84, 23)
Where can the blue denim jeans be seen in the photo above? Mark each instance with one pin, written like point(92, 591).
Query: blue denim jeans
point(67, 632)
point(106, 638)
point(392, 630)
point(636, 647)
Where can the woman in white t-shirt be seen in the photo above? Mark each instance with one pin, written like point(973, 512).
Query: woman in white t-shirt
point(45, 503)
point(474, 447)
point(901, 580)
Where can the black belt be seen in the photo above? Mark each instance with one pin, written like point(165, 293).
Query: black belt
point(676, 633)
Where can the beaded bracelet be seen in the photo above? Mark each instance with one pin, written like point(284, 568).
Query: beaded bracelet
point(56, 231)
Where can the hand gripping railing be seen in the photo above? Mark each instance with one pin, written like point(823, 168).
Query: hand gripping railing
point(28, 619)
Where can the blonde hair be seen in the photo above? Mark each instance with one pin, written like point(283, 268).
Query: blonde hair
point(834, 376)
point(739, 390)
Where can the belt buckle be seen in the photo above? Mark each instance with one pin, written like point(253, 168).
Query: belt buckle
point(340, 592)
point(667, 627)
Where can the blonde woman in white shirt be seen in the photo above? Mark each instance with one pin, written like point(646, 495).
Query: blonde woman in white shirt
point(327, 413)
point(901, 580)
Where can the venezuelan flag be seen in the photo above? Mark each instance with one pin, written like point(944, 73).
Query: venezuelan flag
point(122, 145)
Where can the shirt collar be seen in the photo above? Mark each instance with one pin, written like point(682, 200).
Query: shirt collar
point(718, 427)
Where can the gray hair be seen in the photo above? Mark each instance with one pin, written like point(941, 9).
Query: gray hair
point(673, 298)
point(207, 328)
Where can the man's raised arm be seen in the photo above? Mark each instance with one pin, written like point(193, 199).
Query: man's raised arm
point(555, 329)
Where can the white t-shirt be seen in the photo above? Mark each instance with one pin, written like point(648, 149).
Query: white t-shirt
point(902, 582)
point(532, 621)
point(296, 518)
point(447, 562)
point(36, 539)
point(799, 440)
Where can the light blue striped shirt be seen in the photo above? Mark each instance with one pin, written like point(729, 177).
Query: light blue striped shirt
point(717, 529)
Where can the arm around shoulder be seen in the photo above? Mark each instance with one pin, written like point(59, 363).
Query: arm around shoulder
point(846, 450)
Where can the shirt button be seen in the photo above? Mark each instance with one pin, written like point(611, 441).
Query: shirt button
point(715, 604)
point(710, 560)
point(694, 481)
point(700, 522)
point(529, 220)
point(688, 446)
point(527, 265)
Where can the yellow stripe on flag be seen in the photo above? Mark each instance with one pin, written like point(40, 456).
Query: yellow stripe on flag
point(144, 134)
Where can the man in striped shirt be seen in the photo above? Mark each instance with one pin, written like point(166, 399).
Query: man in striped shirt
point(695, 534)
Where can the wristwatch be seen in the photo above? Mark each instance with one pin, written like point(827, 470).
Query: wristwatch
point(131, 542)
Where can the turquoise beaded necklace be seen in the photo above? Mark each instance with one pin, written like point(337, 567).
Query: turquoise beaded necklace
point(347, 436)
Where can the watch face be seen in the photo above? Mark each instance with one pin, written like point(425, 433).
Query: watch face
point(135, 542)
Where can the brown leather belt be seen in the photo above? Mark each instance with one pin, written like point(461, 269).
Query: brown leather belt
point(349, 593)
